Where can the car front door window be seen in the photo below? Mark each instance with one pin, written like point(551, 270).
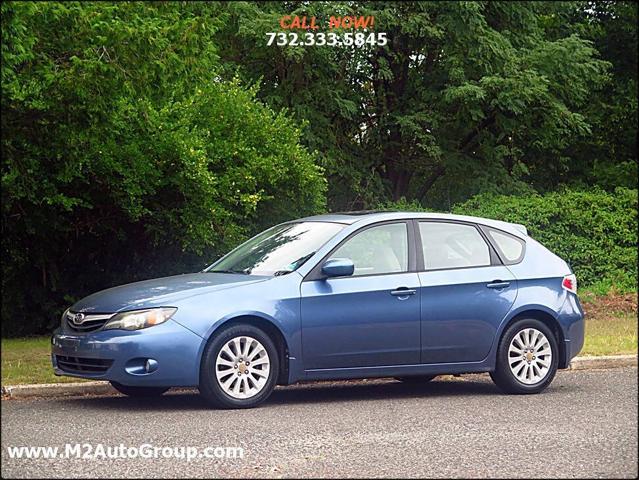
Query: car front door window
point(377, 250)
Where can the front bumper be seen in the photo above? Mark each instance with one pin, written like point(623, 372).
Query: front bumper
point(121, 356)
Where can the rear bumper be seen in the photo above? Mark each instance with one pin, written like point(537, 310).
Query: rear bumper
point(571, 319)
point(120, 356)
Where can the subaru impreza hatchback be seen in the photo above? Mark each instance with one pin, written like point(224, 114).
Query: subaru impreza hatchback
point(355, 295)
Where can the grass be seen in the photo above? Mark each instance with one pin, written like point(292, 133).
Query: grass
point(28, 360)
point(613, 334)
point(611, 323)
point(611, 328)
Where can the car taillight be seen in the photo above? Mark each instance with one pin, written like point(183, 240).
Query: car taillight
point(570, 283)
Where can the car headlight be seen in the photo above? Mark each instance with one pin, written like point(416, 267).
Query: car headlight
point(137, 319)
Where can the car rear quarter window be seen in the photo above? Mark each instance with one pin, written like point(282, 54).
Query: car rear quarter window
point(510, 247)
point(452, 245)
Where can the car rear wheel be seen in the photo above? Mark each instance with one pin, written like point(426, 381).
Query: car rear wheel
point(416, 379)
point(139, 391)
point(239, 368)
point(527, 358)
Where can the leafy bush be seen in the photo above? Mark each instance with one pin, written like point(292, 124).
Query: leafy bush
point(125, 157)
point(595, 231)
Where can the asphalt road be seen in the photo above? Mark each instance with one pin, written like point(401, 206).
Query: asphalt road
point(584, 425)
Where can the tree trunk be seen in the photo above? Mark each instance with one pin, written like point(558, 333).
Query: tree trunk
point(430, 181)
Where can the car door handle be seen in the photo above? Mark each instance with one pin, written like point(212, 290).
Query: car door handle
point(403, 292)
point(498, 284)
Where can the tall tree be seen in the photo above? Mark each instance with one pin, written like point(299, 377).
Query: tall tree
point(607, 157)
point(466, 96)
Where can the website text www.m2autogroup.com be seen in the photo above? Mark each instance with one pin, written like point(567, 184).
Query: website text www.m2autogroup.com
point(87, 451)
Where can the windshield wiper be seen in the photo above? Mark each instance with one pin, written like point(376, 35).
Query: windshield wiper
point(279, 273)
point(228, 271)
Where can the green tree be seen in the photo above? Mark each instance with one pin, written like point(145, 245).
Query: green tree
point(607, 157)
point(126, 156)
point(466, 97)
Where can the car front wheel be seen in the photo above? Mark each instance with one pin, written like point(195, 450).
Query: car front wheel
point(527, 358)
point(239, 368)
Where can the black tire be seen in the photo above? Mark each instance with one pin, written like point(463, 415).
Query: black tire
point(210, 387)
point(139, 391)
point(416, 379)
point(505, 378)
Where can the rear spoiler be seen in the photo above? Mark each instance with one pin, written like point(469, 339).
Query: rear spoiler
point(513, 226)
point(521, 228)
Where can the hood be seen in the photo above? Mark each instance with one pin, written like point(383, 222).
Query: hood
point(160, 292)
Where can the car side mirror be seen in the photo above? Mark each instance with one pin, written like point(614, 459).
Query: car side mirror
point(338, 267)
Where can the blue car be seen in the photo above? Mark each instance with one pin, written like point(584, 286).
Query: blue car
point(337, 296)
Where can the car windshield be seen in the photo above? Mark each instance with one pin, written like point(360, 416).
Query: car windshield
point(278, 250)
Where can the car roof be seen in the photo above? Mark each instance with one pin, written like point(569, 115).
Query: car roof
point(371, 216)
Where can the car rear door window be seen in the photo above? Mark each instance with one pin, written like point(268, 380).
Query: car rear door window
point(452, 245)
point(377, 250)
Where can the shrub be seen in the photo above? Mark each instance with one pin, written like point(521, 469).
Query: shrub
point(594, 231)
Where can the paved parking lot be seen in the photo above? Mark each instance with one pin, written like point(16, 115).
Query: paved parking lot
point(584, 425)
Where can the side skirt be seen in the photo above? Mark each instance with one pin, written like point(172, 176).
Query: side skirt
point(398, 370)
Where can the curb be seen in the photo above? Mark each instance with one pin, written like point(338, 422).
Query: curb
point(104, 388)
point(58, 389)
point(604, 361)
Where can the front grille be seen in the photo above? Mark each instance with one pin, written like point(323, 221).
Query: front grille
point(88, 322)
point(83, 365)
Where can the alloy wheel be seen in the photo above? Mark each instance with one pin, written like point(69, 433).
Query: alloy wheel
point(242, 367)
point(529, 356)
